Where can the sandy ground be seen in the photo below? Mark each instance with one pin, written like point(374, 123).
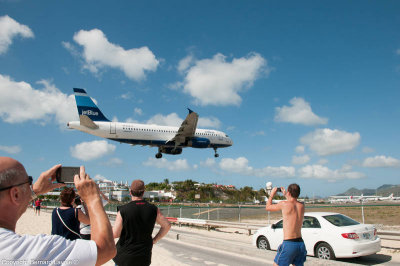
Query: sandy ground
point(31, 224)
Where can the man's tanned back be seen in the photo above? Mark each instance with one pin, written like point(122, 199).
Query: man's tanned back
point(293, 213)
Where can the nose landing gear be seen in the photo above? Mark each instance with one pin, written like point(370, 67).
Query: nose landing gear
point(159, 154)
point(216, 155)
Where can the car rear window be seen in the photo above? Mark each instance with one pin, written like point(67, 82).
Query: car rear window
point(340, 220)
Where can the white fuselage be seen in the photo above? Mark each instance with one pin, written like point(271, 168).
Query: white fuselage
point(153, 135)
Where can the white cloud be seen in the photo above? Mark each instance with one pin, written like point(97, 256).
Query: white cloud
point(217, 82)
point(299, 113)
point(185, 63)
point(300, 149)
point(178, 165)
point(175, 86)
point(19, 102)
point(165, 120)
point(322, 172)
point(126, 96)
point(175, 121)
point(209, 162)
point(87, 151)
point(99, 53)
point(381, 161)
point(327, 141)
point(71, 49)
point(241, 166)
point(9, 29)
point(303, 159)
point(138, 111)
point(100, 177)
point(209, 122)
point(11, 149)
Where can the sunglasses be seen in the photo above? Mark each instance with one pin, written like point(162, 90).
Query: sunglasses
point(30, 179)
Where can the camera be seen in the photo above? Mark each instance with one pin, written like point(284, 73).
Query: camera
point(66, 174)
point(278, 189)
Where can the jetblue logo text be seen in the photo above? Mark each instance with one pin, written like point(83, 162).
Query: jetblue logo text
point(90, 112)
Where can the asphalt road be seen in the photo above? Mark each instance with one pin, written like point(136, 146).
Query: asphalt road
point(198, 255)
point(197, 249)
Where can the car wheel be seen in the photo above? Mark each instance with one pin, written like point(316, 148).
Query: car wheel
point(325, 252)
point(262, 243)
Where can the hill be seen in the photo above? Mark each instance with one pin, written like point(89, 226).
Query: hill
point(384, 190)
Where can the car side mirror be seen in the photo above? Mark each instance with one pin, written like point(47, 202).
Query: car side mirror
point(273, 226)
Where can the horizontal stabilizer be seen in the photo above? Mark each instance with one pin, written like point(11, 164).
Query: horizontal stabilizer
point(87, 122)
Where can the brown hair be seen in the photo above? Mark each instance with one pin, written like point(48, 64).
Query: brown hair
point(67, 196)
point(137, 188)
point(294, 190)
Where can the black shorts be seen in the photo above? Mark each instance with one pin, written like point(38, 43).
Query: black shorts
point(38, 208)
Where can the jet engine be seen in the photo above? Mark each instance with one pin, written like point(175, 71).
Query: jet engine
point(171, 150)
point(199, 142)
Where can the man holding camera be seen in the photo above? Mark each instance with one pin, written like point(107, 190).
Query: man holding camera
point(16, 191)
point(292, 250)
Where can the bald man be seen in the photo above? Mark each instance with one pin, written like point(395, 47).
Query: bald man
point(16, 191)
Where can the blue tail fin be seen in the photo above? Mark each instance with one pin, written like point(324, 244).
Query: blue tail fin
point(87, 107)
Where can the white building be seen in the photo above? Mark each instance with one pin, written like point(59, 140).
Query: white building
point(161, 195)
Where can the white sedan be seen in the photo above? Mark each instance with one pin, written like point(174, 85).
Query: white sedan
point(327, 235)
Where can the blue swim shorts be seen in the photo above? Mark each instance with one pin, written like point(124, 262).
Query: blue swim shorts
point(291, 252)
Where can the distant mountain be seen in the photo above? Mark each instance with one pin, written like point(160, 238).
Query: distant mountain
point(384, 190)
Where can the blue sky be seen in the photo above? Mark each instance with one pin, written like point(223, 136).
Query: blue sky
point(307, 90)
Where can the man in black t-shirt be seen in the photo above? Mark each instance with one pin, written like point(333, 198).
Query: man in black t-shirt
point(134, 227)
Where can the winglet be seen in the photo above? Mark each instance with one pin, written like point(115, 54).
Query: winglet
point(190, 111)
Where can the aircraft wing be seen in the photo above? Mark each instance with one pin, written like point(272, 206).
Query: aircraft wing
point(187, 128)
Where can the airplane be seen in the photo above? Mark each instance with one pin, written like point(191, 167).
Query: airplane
point(169, 140)
point(345, 199)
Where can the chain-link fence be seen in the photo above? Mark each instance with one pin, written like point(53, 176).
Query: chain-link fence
point(386, 214)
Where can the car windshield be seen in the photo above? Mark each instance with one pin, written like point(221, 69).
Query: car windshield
point(340, 220)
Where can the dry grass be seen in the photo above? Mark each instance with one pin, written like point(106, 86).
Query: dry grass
point(386, 215)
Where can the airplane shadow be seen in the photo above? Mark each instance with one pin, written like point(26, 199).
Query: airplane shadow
point(368, 260)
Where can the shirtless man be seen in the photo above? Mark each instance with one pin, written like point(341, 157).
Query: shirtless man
point(292, 250)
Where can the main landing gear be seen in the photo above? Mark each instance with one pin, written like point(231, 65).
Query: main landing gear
point(216, 155)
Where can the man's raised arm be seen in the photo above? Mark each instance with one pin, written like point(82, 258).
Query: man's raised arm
point(100, 225)
point(270, 206)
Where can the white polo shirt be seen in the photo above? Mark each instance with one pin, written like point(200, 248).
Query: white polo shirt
point(45, 250)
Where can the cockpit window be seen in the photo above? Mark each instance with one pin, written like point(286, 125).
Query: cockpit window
point(226, 136)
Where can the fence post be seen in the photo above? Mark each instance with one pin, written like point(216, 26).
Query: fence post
point(362, 210)
point(239, 212)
